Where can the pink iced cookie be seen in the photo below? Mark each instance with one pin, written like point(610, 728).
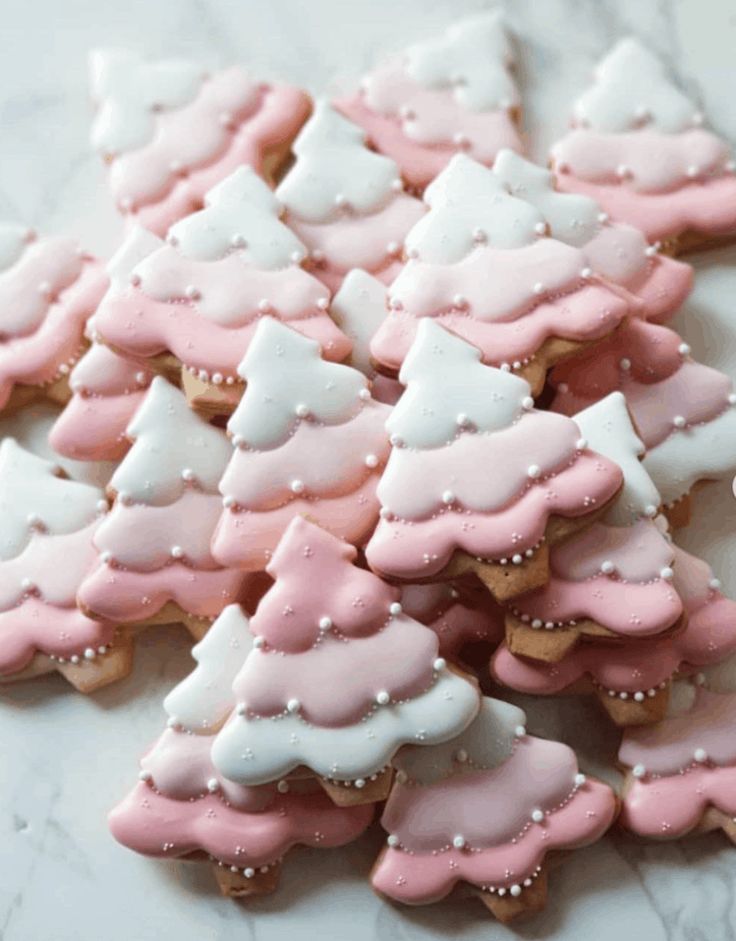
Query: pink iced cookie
point(639, 149)
point(482, 264)
point(48, 289)
point(309, 440)
point(154, 546)
point(683, 410)
point(456, 419)
point(682, 771)
point(338, 678)
point(345, 202)
point(485, 809)
point(200, 295)
point(614, 250)
point(638, 673)
point(183, 807)
point(448, 94)
point(171, 131)
point(48, 523)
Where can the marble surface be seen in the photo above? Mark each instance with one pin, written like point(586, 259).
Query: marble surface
point(66, 758)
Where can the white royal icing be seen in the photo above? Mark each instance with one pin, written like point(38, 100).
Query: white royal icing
point(633, 89)
point(203, 700)
point(470, 205)
point(35, 498)
point(173, 448)
point(359, 308)
point(287, 380)
point(130, 92)
point(608, 429)
point(472, 58)
point(335, 171)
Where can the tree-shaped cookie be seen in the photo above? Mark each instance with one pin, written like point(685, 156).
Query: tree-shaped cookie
point(346, 202)
point(482, 264)
point(478, 479)
point(170, 131)
point(615, 250)
point(485, 809)
point(48, 289)
point(681, 772)
point(308, 439)
point(339, 678)
point(614, 580)
point(183, 808)
point(684, 411)
point(451, 93)
point(107, 387)
point(197, 299)
point(633, 680)
point(155, 564)
point(47, 523)
point(639, 148)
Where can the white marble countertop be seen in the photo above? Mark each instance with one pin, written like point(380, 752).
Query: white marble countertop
point(67, 758)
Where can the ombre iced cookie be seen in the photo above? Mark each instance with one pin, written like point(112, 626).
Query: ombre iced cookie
point(442, 512)
point(639, 148)
point(486, 810)
point(182, 808)
point(170, 130)
point(454, 93)
point(345, 202)
point(194, 302)
point(339, 678)
point(482, 264)
point(48, 289)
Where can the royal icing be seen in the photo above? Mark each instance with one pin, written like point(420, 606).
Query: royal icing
point(48, 289)
point(335, 669)
point(683, 410)
point(200, 295)
point(308, 439)
point(485, 810)
point(344, 201)
point(447, 94)
point(48, 522)
point(170, 130)
point(638, 148)
point(480, 264)
point(617, 251)
point(155, 545)
point(437, 497)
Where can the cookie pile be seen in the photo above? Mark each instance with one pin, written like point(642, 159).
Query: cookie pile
point(394, 420)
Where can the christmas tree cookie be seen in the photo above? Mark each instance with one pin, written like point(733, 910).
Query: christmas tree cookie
point(48, 289)
point(182, 808)
point(339, 677)
point(639, 148)
point(155, 564)
point(486, 809)
point(48, 522)
point(345, 202)
point(478, 479)
point(615, 250)
point(170, 130)
point(194, 302)
point(482, 264)
point(684, 411)
point(308, 439)
point(681, 772)
point(453, 93)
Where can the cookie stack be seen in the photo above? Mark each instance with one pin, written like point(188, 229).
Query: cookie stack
point(390, 418)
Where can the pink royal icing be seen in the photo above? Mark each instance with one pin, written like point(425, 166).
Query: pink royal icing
point(453, 93)
point(48, 289)
point(160, 170)
point(201, 295)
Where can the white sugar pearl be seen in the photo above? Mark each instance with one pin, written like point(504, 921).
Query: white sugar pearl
point(537, 816)
point(714, 584)
point(638, 771)
point(90, 653)
point(639, 696)
point(301, 410)
point(293, 705)
point(297, 486)
point(586, 273)
point(684, 349)
point(667, 574)
point(534, 471)
point(581, 444)
point(520, 731)
point(249, 872)
point(392, 840)
point(213, 785)
point(258, 642)
point(538, 288)
point(515, 890)
point(607, 567)
point(458, 842)
point(448, 497)
point(540, 228)
point(177, 552)
point(461, 756)
point(394, 609)
point(700, 755)
point(371, 460)
point(145, 775)
point(439, 664)
point(625, 364)
point(283, 787)
point(527, 403)
point(679, 421)
point(325, 623)
point(383, 698)
point(580, 780)
point(461, 420)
